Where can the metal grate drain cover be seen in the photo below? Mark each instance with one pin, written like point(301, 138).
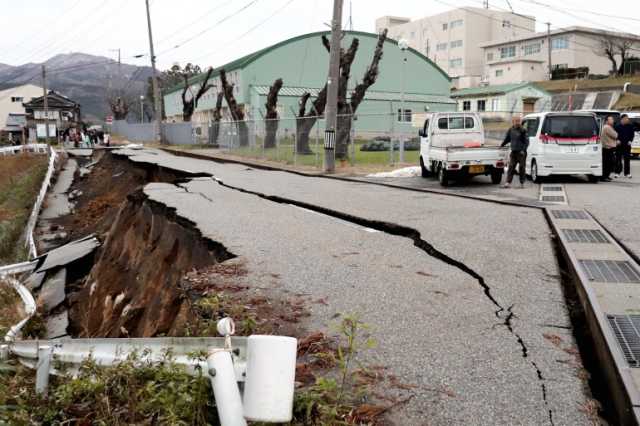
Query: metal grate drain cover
point(585, 236)
point(553, 198)
point(569, 214)
point(610, 271)
point(627, 331)
point(551, 188)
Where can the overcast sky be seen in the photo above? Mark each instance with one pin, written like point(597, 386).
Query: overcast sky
point(213, 32)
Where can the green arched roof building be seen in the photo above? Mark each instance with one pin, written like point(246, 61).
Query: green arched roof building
point(302, 62)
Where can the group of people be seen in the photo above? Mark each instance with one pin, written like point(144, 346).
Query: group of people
point(616, 141)
point(85, 138)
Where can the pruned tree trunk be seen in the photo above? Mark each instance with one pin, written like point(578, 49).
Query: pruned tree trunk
point(271, 118)
point(119, 108)
point(189, 105)
point(237, 114)
point(217, 116)
point(305, 121)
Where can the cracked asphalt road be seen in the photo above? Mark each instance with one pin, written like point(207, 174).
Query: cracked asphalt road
point(436, 324)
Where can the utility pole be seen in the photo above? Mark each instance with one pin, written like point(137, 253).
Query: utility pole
point(549, 50)
point(154, 79)
point(46, 106)
point(333, 82)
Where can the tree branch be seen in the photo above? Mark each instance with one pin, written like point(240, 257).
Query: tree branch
point(371, 75)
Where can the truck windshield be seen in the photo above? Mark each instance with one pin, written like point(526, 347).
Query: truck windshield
point(570, 126)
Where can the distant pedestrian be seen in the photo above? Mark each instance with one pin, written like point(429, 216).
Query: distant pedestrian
point(626, 133)
point(519, 140)
point(107, 139)
point(609, 140)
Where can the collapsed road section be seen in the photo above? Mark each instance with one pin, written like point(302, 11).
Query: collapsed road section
point(475, 320)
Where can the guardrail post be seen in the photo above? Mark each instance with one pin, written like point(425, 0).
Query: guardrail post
point(42, 369)
point(225, 388)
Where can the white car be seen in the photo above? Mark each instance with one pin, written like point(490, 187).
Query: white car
point(563, 143)
point(635, 145)
point(452, 146)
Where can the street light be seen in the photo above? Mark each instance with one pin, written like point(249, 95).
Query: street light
point(141, 108)
point(403, 45)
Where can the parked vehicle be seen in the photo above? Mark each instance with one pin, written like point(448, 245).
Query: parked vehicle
point(563, 143)
point(602, 114)
point(452, 146)
point(635, 145)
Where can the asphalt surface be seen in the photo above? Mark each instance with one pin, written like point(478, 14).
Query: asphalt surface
point(435, 323)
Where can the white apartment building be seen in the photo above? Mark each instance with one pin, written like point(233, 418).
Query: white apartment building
point(452, 39)
point(524, 58)
point(11, 101)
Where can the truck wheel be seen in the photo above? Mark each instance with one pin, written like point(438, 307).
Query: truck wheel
point(593, 178)
point(534, 173)
point(496, 176)
point(443, 176)
point(423, 169)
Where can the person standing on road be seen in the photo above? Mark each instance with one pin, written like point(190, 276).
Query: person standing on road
point(609, 140)
point(519, 140)
point(626, 133)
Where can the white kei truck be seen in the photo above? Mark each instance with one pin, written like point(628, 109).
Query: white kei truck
point(452, 146)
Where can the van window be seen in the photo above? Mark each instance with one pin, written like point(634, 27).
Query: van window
point(531, 126)
point(567, 126)
point(456, 123)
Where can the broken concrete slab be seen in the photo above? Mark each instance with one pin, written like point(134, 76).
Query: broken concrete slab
point(68, 253)
point(57, 325)
point(80, 152)
point(53, 291)
point(34, 281)
point(57, 204)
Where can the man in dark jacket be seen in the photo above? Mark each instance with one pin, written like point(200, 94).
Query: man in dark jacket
point(519, 140)
point(626, 133)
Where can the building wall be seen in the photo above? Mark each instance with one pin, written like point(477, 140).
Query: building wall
point(455, 47)
point(303, 63)
point(26, 92)
point(572, 50)
point(503, 106)
point(516, 72)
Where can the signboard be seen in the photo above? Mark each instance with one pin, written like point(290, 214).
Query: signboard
point(109, 119)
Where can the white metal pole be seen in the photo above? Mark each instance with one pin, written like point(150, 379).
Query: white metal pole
point(42, 369)
point(225, 389)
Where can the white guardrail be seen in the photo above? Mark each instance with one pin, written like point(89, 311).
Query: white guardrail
point(266, 364)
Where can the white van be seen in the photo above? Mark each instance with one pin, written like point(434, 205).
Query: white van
point(563, 143)
point(635, 145)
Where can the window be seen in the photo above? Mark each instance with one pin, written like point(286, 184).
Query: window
point(482, 105)
point(445, 26)
point(507, 52)
point(567, 126)
point(561, 66)
point(466, 105)
point(456, 123)
point(531, 126)
point(490, 56)
point(441, 46)
point(560, 43)
point(406, 118)
point(495, 104)
point(426, 50)
point(455, 63)
point(499, 73)
point(456, 43)
point(17, 99)
point(531, 49)
point(456, 23)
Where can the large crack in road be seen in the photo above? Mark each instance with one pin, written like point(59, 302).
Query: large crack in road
point(506, 314)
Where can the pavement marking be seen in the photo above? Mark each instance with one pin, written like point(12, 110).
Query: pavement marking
point(553, 194)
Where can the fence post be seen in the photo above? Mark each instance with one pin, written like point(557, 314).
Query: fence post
point(317, 144)
point(352, 145)
point(42, 369)
point(391, 137)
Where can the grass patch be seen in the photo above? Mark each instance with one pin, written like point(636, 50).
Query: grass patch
point(10, 308)
point(20, 181)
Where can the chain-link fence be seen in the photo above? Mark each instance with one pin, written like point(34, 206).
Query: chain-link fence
point(361, 140)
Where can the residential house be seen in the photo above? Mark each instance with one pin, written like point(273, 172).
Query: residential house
point(62, 112)
point(11, 106)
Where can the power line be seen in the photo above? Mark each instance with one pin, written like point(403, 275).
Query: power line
point(226, 18)
point(205, 15)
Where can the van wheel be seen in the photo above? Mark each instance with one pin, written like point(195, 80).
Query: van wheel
point(443, 176)
point(423, 169)
point(593, 178)
point(534, 172)
point(496, 176)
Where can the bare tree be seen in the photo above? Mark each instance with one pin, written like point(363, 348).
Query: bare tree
point(217, 116)
point(613, 47)
point(189, 105)
point(237, 114)
point(346, 107)
point(624, 46)
point(119, 108)
point(271, 118)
